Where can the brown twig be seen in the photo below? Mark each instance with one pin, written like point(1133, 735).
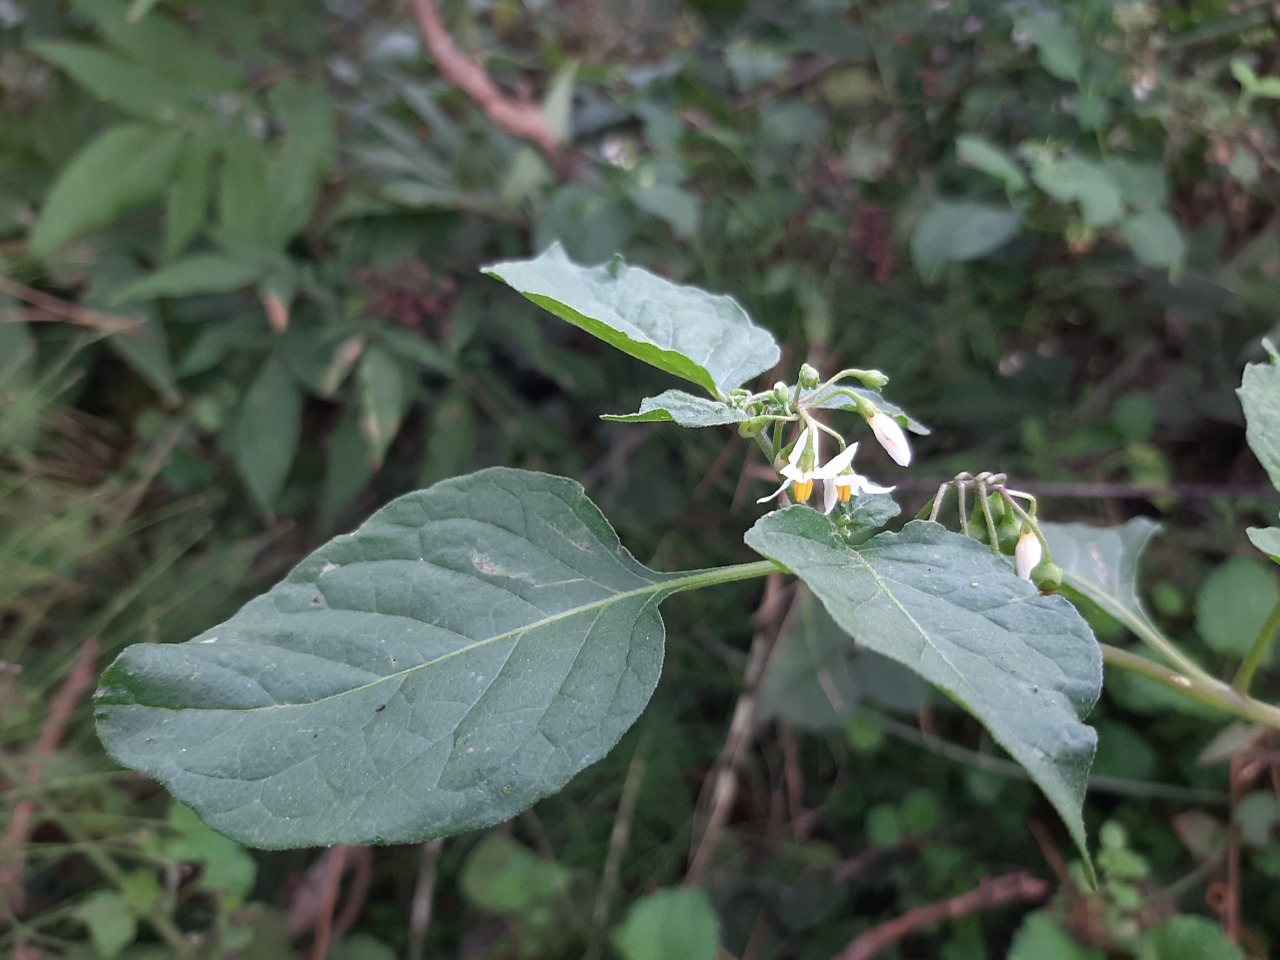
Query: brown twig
point(79, 679)
point(721, 786)
point(990, 894)
point(423, 897)
point(60, 309)
point(524, 121)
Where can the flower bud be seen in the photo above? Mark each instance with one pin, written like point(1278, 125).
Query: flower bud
point(1047, 576)
point(891, 437)
point(1028, 554)
point(782, 394)
point(753, 428)
point(808, 377)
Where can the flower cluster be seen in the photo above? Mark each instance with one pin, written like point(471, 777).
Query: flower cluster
point(804, 466)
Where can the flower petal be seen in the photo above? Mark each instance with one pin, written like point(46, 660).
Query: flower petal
point(829, 496)
point(777, 493)
point(891, 437)
point(837, 464)
point(798, 450)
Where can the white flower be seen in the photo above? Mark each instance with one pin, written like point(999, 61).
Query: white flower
point(840, 484)
point(891, 437)
point(801, 468)
point(1027, 554)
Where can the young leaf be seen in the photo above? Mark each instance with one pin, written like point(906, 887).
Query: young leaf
point(703, 337)
point(125, 166)
point(118, 82)
point(264, 440)
point(464, 653)
point(1025, 665)
point(686, 409)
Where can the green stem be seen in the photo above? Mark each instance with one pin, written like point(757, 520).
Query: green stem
point(697, 579)
point(1257, 652)
point(1210, 692)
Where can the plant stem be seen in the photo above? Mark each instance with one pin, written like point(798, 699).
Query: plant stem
point(1213, 693)
point(1257, 652)
point(697, 579)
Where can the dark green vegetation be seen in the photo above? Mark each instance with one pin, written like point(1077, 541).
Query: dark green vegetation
point(241, 309)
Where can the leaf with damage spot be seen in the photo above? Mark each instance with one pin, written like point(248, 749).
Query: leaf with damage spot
point(461, 655)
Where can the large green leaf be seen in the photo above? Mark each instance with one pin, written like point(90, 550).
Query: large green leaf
point(1027, 666)
point(125, 166)
point(1102, 564)
point(464, 653)
point(703, 337)
point(686, 409)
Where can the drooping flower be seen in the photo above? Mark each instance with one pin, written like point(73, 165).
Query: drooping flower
point(840, 484)
point(1027, 554)
point(800, 470)
point(891, 437)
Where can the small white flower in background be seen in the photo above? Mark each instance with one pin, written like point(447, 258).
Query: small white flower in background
point(1027, 554)
point(840, 484)
point(891, 437)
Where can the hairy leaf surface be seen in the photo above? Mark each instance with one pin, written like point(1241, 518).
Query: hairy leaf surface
point(703, 337)
point(461, 655)
point(1027, 666)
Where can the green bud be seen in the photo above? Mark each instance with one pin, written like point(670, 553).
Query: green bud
point(809, 377)
point(753, 428)
point(1047, 576)
point(782, 394)
point(874, 379)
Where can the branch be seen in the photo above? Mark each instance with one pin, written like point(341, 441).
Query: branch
point(990, 894)
point(79, 679)
point(524, 121)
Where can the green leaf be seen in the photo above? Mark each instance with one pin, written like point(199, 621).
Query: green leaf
point(227, 867)
point(125, 166)
point(1234, 603)
point(264, 439)
point(1155, 239)
point(1266, 539)
point(170, 50)
point(111, 923)
point(1041, 938)
point(1056, 43)
point(117, 81)
point(840, 401)
point(1025, 665)
point(686, 409)
point(384, 398)
point(670, 925)
point(245, 203)
point(705, 338)
point(1187, 938)
point(956, 232)
point(502, 876)
point(145, 348)
point(1102, 564)
point(188, 204)
point(464, 653)
point(199, 273)
point(985, 156)
point(307, 157)
point(348, 468)
point(1260, 396)
point(1073, 180)
point(678, 208)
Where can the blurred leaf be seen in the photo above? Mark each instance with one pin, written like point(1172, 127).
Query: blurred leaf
point(1102, 564)
point(715, 344)
point(1260, 396)
point(557, 106)
point(678, 208)
point(1187, 938)
point(502, 876)
point(125, 166)
point(1155, 239)
point(956, 232)
point(199, 273)
point(1073, 180)
point(265, 436)
point(1026, 666)
point(307, 157)
point(686, 409)
point(145, 349)
point(1233, 604)
point(397, 685)
point(986, 157)
point(451, 448)
point(670, 925)
point(1266, 539)
point(132, 88)
point(227, 867)
point(188, 204)
point(1056, 43)
point(349, 466)
point(111, 923)
point(361, 946)
point(245, 204)
point(1041, 938)
point(383, 397)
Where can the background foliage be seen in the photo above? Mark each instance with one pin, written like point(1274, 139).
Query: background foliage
point(240, 308)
